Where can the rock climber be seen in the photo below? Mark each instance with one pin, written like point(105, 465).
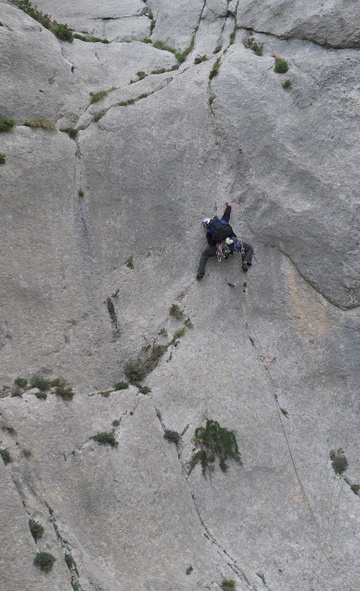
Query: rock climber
point(223, 241)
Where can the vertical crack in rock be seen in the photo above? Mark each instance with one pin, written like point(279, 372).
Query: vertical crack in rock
point(113, 317)
point(223, 553)
point(255, 341)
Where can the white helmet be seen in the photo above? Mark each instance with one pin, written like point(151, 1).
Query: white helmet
point(205, 222)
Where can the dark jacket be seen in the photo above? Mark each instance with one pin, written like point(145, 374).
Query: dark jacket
point(226, 217)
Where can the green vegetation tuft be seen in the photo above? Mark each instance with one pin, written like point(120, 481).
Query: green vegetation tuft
point(41, 395)
point(89, 39)
point(21, 382)
point(189, 570)
point(41, 123)
point(121, 386)
point(2, 158)
point(286, 84)
point(144, 95)
point(6, 124)
point(200, 59)
point(160, 71)
point(62, 32)
point(130, 263)
point(98, 96)
point(179, 333)
point(69, 561)
point(215, 69)
point(125, 104)
point(176, 311)
point(64, 391)
point(116, 423)
point(36, 529)
point(228, 585)
point(81, 193)
point(339, 464)
point(40, 382)
point(172, 436)
point(214, 441)
point(144, 390)
point(252, 44)
point(4, 453)
point(281, 66)
point(135, 372)
point(105, 438)
point(44, 561)
point(217, 49)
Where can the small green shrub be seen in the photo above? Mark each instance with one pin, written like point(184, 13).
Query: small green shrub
point(214, 442)
point(69, 561)
point(40, 382)
point(252, 44)
point(144, 390)
point(41, 395)
point(144, 95)
point(71, 131)
point(36, 529)
point(115, 423)
point(41, 123)
point(81, 193)
point(21, 382)
point(179, 333)
point(135, 372)
point(121, 386)
point(160, 71)
point(200, 59)
point(2, 158)
point(75, 587)
point(62, 32)
point(126, 103)
point(355, 488)
point(189, 570)
point(4, 453)
point(105, 438)
point(98, 96)
point(130, 263)
point(65, 392)
point(176, 311)
point(147, 40)
point(232, 37)
point(228, 585)
point(44, 561)
point(141, 75)
point(284, 412)
point(217, 49)
point(36, 14)
point(215, 69)
point(89, 39)
point(339, 464)
point(6, 124)
point(286, 84)
point(281, 66)
point(172, 436)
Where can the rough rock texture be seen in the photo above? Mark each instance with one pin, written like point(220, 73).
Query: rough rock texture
point(101, 236)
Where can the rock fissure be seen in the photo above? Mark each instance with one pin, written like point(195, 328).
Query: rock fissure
point(262, 358)
point(314, 285)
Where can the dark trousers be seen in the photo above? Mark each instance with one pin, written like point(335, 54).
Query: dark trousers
point(210, 251)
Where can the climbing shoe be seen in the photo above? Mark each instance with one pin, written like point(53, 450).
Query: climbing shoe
point(199, 275)
point(245, 267)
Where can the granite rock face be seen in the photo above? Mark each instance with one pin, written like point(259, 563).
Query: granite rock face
point(101, 236)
